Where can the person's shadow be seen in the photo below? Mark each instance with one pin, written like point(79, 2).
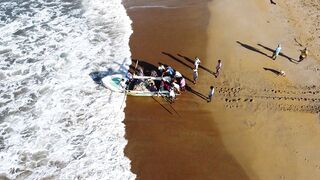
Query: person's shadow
point(177, 59)
point(272, 70)
point(189, 60)
point(192, 61)
point(188, 88)
point(253, 49)
point(280, 54)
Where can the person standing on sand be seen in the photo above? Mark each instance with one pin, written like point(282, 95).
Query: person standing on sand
point(196, 62)
point(211, 92)
point(218, 68)
point(172, 94)
point(182, 84)
point(195, 76)
point(304, 54)
point(276, 52)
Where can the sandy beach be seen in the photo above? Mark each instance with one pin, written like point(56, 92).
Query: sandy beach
point(259, 125)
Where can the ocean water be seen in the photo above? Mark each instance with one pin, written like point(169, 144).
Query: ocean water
point(55, 121)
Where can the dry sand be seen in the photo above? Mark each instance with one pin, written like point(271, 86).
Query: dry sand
point(259, 125)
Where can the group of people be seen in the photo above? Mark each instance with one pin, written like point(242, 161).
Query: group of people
point(172, 81)
point(303, 55)
point(216, 74)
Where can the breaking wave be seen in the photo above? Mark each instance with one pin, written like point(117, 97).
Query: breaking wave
point(55, 122)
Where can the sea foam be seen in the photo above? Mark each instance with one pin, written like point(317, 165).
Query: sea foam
point(55, 122)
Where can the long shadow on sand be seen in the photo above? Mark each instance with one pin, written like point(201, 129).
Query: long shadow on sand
point(192, 61)
point(177, 59)
point(188, 88)
point(149, 67)
point(280, 54)
point(272, 70)
point(188, 60)
point(253, 49)
point(162, 105)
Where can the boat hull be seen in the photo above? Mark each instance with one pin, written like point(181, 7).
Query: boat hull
point(147, 93)
point(113, 83)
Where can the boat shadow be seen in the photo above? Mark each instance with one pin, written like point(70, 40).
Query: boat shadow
point(147, 67)
point(97, 76)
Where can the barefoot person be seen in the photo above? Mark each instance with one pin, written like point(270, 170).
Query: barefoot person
point(218, 68)
point(195, 76)
point(304, 54)
point(276, 52)
point(182, 84)
point(172, 95)
point(196, 62)
point(211, 92)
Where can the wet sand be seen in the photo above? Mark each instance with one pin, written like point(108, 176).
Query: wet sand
point(259, 126)
point(178, 141)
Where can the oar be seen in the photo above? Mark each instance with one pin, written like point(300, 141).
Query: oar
point(125, 95)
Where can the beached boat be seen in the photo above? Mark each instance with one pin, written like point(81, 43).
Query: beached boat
point(117, 83)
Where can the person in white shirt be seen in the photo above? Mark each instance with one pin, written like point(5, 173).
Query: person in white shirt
point(161, 69)
point(211, 92)
point(123, 84)
point(178, 75)
point(195, 76)
point(172, 95)
point(196, 62)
